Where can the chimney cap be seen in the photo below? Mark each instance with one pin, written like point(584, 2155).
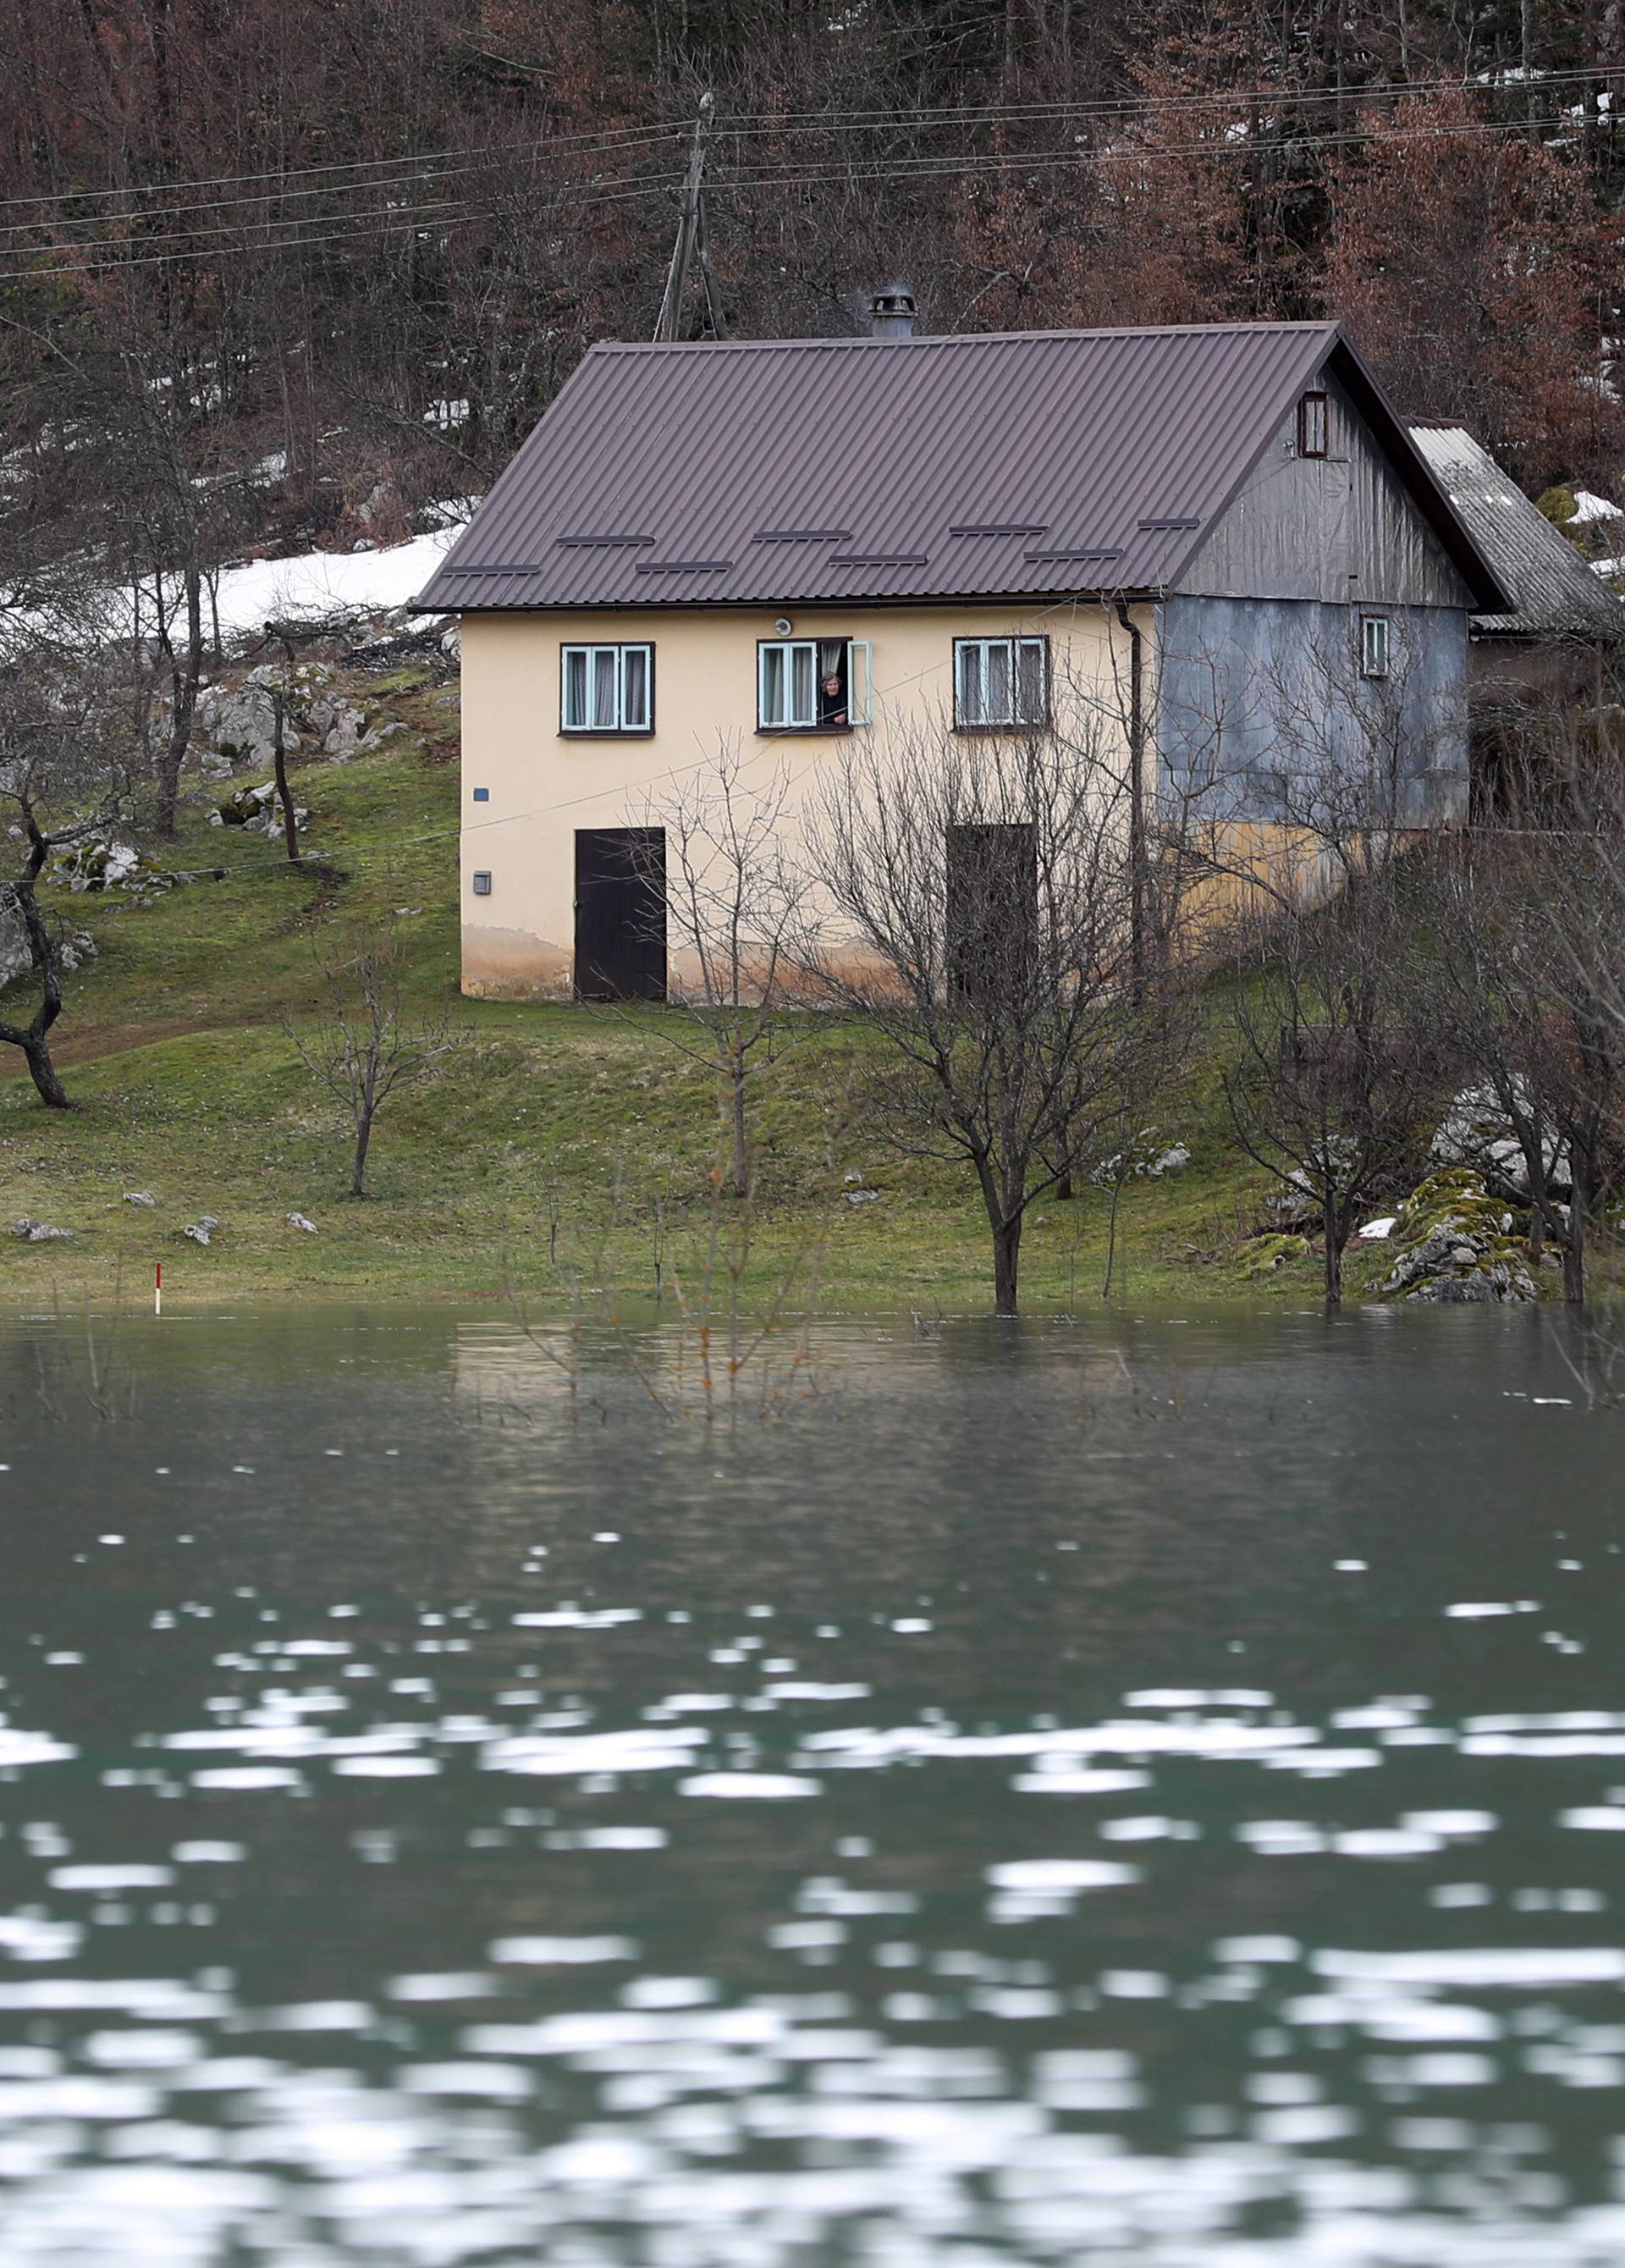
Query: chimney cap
point(891, 311)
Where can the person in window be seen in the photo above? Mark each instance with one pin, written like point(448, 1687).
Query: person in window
point(832, 701)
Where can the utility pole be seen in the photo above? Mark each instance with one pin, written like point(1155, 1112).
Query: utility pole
point(691, 241)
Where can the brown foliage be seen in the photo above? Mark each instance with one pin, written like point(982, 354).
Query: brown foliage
point(1467, 263)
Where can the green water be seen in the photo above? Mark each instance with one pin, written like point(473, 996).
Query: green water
point(1142, 1792)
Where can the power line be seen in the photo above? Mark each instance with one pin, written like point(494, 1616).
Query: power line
point(458, 212)
point(294, 235)
point(428, 167)
point(387, 214)
point(606, 137)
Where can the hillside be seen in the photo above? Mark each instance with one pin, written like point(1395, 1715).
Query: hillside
point(558, 1144)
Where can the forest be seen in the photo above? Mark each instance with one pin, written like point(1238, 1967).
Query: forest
point(285, 274)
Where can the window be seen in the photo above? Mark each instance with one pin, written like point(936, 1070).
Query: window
point(1315, 425)
point(607, 688)
point(1000, 681)
point(1373, 646)
point(811, 685)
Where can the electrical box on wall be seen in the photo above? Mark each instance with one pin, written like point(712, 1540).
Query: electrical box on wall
point(483, 883)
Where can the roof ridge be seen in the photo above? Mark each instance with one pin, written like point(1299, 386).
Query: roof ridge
point(1324, 326)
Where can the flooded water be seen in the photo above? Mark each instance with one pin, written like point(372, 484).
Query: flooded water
point(1146, 1792)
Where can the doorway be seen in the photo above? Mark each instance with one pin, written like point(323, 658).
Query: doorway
point(621, 913)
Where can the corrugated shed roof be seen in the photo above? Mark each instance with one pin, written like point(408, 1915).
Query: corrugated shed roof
point(1554, 592)
point(772, 473)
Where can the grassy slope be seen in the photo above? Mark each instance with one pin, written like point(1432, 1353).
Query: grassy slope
point(559, 1138)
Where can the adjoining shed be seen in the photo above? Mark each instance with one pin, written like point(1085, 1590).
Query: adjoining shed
point(1552, 644)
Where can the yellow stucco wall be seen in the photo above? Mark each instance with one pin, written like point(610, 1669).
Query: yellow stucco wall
point(543, 785)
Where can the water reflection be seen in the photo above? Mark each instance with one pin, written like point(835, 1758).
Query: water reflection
point(1152, 1792)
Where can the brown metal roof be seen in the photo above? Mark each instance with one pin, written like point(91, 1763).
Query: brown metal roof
point(777, 472)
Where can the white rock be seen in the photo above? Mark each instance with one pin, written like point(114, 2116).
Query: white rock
point(139, 1197)
point(1376, 1229)
point(297, 1221)
point(1475, 1131)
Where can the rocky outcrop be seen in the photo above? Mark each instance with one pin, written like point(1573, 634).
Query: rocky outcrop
point(17, 954)
point(105, 864)
point(1477, 1133)
point(237, 725)
point(256, 808)
point(1145, 1156)
point(1454, 1245)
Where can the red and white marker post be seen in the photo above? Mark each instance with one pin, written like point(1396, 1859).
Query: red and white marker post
point(157, 1287)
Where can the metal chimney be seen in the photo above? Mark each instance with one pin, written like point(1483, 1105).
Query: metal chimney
point(891, 312)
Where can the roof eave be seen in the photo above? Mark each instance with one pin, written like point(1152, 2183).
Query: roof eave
point(1102, 594)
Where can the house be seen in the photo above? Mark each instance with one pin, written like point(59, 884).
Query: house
point(1562, 626)
point(778, 545)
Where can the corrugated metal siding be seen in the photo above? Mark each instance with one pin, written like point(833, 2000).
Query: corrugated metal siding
point(886, 448)
point(1250, 689)
point(1335, 527)
point(1555, 592)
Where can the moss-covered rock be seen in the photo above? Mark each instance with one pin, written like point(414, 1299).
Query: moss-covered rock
point(1454, 1244)
point(258, 808)
point(1263, 1256)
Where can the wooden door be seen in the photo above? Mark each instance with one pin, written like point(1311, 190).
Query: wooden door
point(621, 913)
point(992, 912)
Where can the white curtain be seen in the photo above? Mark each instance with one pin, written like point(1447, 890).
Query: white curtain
point(973, 708)
point(635, 688)
point(575, 691)
point(804, 685)
point(604, 688)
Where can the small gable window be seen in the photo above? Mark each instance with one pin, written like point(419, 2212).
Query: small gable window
point(1373, 646)
point(1001, 681)
point(811, 685)
point(607, 688)
point(1315, 425)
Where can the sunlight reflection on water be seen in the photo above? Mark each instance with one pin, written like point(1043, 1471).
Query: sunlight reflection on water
point(1146, 1792)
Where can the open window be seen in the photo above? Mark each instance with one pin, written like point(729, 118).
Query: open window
point(607, 688)
point(811, 685)
point(1001, 684)
point(1375, 645)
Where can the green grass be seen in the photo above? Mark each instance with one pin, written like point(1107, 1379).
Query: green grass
point(559, 1142)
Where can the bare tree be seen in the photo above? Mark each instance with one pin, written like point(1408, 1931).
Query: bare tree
point(291, 635)
point(1528, 965)
point(62, 779)
point(734, 900)
point(1330, 1086)
point(1332, 1078)
point(366, 1046)
point(986, 885)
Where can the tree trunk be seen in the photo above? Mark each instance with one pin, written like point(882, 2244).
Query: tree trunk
point(42, 1071)
point(1579, 1210)
point(184, 677)
point(279, 764)
point(363, 1135)
point(1334, 1254)
point(741, 1150)
point(31, 1037)
point(1006, 1265)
